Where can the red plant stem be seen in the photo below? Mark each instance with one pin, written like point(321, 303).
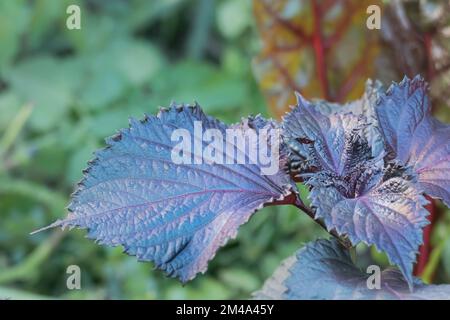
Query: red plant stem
point(319, 50)
point(341, 27)
point(294, 200)
point(310, 212)
point(425, 249)
point(291, 27)
point(328, 4)
point(285, 74)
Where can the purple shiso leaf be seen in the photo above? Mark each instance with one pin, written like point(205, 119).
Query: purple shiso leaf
point(332, 142)
point(352, 188)
point(175, 215)
point(414, 138)
point(385, 211)
point(365, 107)
point(323, 270)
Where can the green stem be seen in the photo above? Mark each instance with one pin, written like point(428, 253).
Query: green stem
point(14, 128)
point(28, 269)
point(434, 259)
point(198, 38)
point(55, 202)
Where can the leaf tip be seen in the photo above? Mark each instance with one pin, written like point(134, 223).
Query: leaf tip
point(57, 223)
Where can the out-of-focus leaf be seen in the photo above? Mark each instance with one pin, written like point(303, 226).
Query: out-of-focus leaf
point(77, 162)
point(415, 138)
point(233, 17)
point(176, 215)
point(240, 279)
point(45, 16)
point(209, 288)
point(318, 48)
point(103, 89)
point(14, 18)
point(14, 294)
point(96, 32)
point(134, 15)
point(50, 95)
point(9, 106)
point(324, 270)
point(122, 65)
point(47, 161)
point(218, 90)
point(138, 61)
point(106, 123)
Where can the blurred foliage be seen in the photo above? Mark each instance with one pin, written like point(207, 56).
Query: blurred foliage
point(63, 91)
point(321, 49)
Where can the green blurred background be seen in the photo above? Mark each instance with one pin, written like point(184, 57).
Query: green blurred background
point(62, 92)
point(129, 58)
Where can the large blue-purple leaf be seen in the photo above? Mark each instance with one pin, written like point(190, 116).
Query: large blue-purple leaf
point(324, 270)
point(176, 215)
point(385, 209)
point(414, 138)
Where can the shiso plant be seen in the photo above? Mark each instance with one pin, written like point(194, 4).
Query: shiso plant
point(369, 166)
